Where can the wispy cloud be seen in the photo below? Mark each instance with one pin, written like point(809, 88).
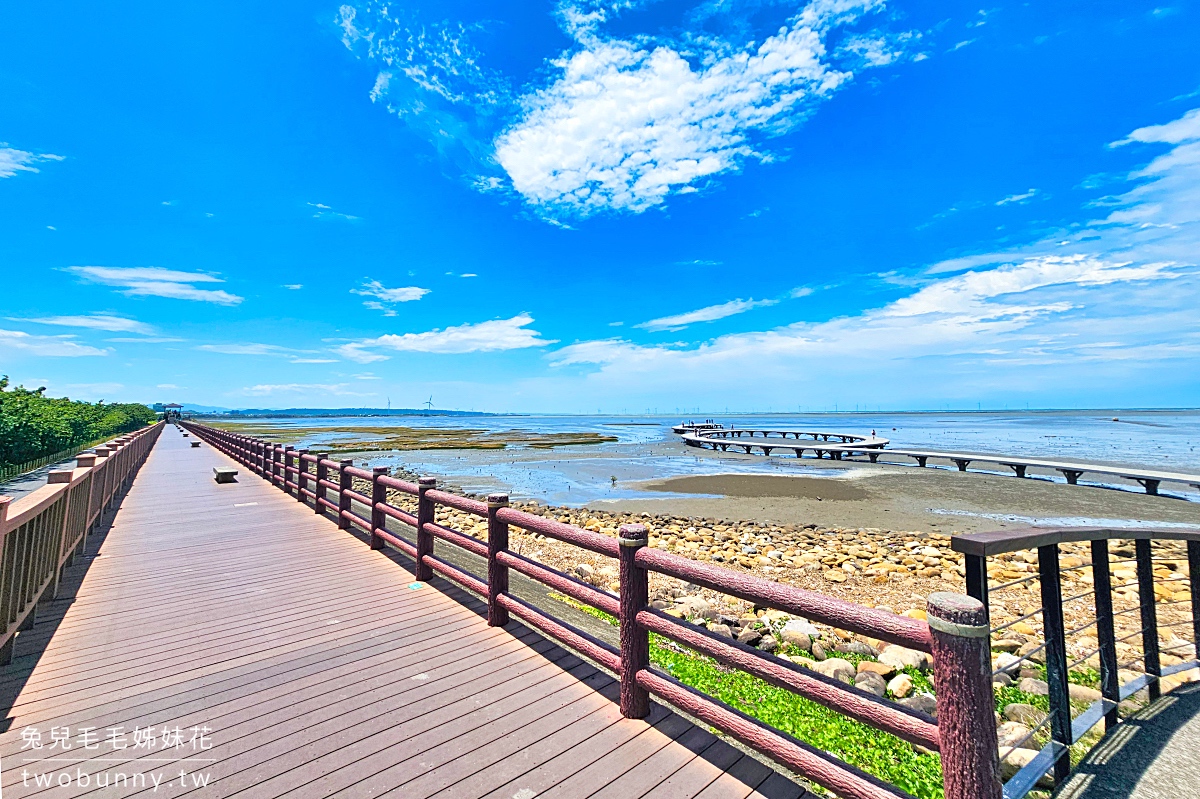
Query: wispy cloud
point(293, 286)
point(1186, 128)
point(325, 212)
point(13, 160)
point(961, 45)
point(153, 281)
point(97, 321)
point(492, 336)
point(337, 389)
point(708, 314)
point(45, 346)
point(245, 349)
point(145, 339)
point(386, 297)
point(1018, 198)
point(313, 360)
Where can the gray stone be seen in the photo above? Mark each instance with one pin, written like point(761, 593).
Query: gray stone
point(768, 643)
point(837, 668)
point(1028, 715)
point(922, 702)
point(1011, 733)
point(749, 635)
point(901, 658)
point(870, 681)
point(584, 571)
point(1030, 685)
point(857, 648)
point(818, 651)
point(797, 639)
point(1002, 679)
point(721, 630)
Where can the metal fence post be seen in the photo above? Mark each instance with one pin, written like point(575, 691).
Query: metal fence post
point(1145, 578)
point(1055, 631)
point(344, 482)
point(1106, 637)
point(497, 572)
point(962, 674)
point(1193, 556)
point(424, 572)
point(318, 489)
point(635, 641)
point(378, 497)
point(977, 580)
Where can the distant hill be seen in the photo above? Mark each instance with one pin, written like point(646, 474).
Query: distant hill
point(328, 412)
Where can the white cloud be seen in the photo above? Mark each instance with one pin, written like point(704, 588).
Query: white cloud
point(13, 161)
point(325, 212)
point(293, 286)
point(98, 321)
point(373, 288)
point(492, 336)
point(337, 389)
point(245, 349)
point(709, 314)
point(1186, 128)
point(45, 346)
point(627, 123)
point(961, 45)
point(313, 360)
point(153, 281)
point(1018, 198)
point(144, 339)
point(166, 385)
point(1097, 308)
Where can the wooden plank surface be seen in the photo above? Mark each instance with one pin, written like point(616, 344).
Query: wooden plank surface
point(272, 654)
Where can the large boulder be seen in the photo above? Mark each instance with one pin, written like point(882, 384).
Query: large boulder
point(870, 681)
point(837, 668)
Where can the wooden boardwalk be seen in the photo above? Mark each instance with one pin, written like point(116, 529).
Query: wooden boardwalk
point(226, 641)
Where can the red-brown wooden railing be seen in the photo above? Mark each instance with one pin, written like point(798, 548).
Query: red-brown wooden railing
point(964, 731)
point(43, 531)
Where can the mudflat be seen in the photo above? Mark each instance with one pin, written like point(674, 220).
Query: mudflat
point(903, 498)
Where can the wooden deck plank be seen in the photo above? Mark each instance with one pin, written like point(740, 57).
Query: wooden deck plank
point(315, 667)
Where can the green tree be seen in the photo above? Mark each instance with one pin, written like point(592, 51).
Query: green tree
point(33, 425)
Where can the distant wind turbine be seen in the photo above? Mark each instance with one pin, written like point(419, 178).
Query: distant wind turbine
point(428, 403)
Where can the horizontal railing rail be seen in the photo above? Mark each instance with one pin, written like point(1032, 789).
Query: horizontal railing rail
point(42, 532)
point(1104, 598)
point(963, 732)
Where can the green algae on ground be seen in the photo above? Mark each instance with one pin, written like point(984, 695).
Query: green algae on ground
point(384, 439)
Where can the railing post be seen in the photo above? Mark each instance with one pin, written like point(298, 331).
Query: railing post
point(301, 474)
point(87, 462)
point(424, 572)
point(6, 651)
point(1106, 637)
point(344, 483)
point(962, 674)
point(1055, 632)
point(1145, 578)
point(318, 489)
point(288, 465)
point(977, 581)
point(1193, 556)
point(497, 571)
point(63, 478)
point(378, 497)
point(635, 641)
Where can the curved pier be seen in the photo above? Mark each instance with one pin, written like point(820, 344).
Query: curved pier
point(842, 446)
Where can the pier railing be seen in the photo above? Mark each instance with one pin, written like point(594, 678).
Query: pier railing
point(1095, 618)
point(963, 732)
point(43, 531)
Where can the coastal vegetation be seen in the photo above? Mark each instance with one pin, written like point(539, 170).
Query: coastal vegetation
point(388, 438)
point(34, 426)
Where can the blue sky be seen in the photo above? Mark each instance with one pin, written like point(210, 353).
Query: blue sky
point(581, 205)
